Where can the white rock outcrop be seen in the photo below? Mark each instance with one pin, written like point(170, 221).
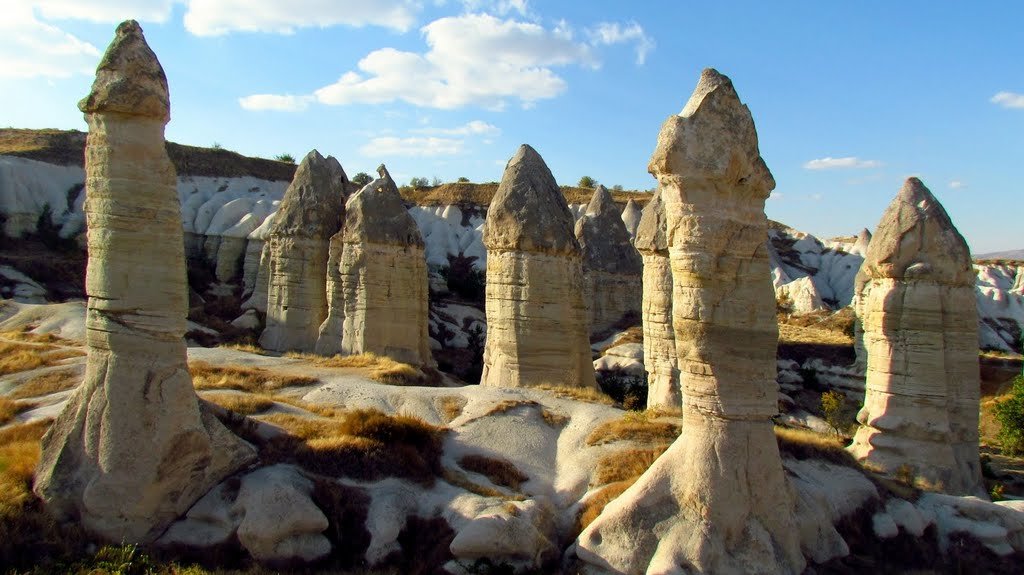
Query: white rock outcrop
point(132, 449)
point(919, 331)
point(536, 319)
point(717, 501)
point(663, 389)
point(612, 268)
point(311, 212)
point(377, 280)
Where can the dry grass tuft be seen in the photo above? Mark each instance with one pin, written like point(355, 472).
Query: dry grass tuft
point(628, 464)
point(459, 479)
point(241, 403)
point(810, 334)
point(46, 384)
point(806, 444)
point(643, 426)
point(594, 505)
point(507, 405)
point(29, 337)
point(587, 394)
point(250, 379)
point(554, 419)
point(382, 368)
point(500, 471)
point(9, 409)
point(22, 351)
point(246, 347)
point(451, 407)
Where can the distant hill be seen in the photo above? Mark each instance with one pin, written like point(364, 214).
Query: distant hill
point(1005, 255)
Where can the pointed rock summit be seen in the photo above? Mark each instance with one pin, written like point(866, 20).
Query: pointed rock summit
point(717, 501)
point(536, 320)
point(132, 450)
point(656, 309)
point(631, 217)
point(377, 279)
point(611, 265)
point(919, 332)
point(311, 212)
point(860, 247)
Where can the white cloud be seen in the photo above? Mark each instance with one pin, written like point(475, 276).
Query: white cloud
point(30, 48)
point(280, 103)
point(501, 7)
point(957, 185)
point(416, 146)
point(217, 17)
point(1008, 100)
point(608, 33)
point(105, 10)
point(474, 59)
point(829, 163)
point(474, 128)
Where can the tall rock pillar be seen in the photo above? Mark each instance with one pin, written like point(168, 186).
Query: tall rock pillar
point(918, 321)
point(536, 319)
point(717, 501)
point(132, 449)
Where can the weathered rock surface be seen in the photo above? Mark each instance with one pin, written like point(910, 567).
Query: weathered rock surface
point(378, 281)
point(717, 501)
point(132, 449)
point(919, 330)
point(612, 267)
point(536, 320)
point(311, 212)
point(631, 215)
point(663, 388)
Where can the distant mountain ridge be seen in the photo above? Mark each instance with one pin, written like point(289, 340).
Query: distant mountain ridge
point(1004, 255)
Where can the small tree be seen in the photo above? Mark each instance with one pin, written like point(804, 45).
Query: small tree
point(832, 403)
point(361, 179)
point(436, 181)
point(463, 180)
point(1010, 414)
point(617, 188)
point(586, 182)
point(217, 146)
point(286, 158)
point(419, 182)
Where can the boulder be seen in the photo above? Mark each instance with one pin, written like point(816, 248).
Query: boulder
point(918, 331)
point(537, 329)
point(132, 449)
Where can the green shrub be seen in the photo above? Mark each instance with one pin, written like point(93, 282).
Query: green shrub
point(1010, 414)
point(832, 403)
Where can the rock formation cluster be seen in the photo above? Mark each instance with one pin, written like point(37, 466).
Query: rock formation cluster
point(663, 388)
point(311, 212)
point(537, 329)
point(132, 449)
point(612, 267)
point(919, 330)
point(377, 279)
point(717, 501)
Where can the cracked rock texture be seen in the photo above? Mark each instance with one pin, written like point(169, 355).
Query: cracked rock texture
point(133, 449)
point(919, 333)
point(663, 388)
point(717, 501)
point(611, 265)
point(537, 330)
point(311, 212)
point(377, 280)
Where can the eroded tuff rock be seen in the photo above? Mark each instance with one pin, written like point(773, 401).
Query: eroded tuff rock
point(656, 310)
point(536, 319)
point(377, 279)
point(717, 501)
point(132, 449)
point(631, 215)
point(919, 329)
point(612, 267)
point(311, 212)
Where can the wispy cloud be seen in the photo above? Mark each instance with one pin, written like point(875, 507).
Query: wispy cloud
point(276, 102)
point(957, 185)
point(474, 128)
point(849, 162)
point(1008, 100)
point(390, 146)
point(219, 17)
point(30, 48)
point(608, 33)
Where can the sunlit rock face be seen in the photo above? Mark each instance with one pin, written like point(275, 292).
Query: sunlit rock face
point(132, 449)
point(717, 501)
point(537, 329)
point(919, 341)
point(311, 212)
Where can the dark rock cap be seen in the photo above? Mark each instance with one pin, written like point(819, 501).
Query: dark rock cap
point(376, 214)
point(129, 79)
point(652, 234)
point(528, 211)
point(314, 203)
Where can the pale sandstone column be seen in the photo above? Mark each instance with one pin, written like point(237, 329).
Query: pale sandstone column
point(132, 449)
point(379, 295)
point(311, 212)
point(663, 388)
point(717, 501)
point(612, 267)
point(536, 320)
point(916, 307)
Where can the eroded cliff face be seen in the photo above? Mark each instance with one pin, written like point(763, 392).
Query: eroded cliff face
point(137, 384)
point(918, 325)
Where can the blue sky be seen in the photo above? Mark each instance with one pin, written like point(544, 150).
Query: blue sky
point(849, 98)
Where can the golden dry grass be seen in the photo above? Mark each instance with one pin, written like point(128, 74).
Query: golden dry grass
point(20, 351)
point(46, 384)
point(382, 368)
point(251, 379)
point(481, 194)
point(29, 337)
point(806, 444)
point(246, 347)
point(593, 506)
point(587, 394)
point(9, 409)
point(642, 426)
point(500, 471)
point(792, 334)
point(451, 407)
point(626, 464)
point(461, 480)
point(241, 403)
